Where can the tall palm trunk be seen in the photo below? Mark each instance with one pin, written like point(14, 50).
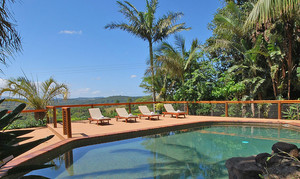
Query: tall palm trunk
point(165, 86)
point(152, 72)
point(273, 78)
point(289, 29)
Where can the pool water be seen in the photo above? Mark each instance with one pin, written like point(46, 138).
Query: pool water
point(191, 153)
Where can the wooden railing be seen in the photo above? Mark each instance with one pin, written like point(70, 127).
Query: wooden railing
point(67, 119)
point(32, 111)
point(278, 102)
point(68, 127)
point(226, 103)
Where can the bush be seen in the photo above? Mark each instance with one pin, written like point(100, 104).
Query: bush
point(293, 112)
point(26, 123)
point(159, 106)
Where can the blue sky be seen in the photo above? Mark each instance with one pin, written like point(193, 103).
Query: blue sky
point(66, 39)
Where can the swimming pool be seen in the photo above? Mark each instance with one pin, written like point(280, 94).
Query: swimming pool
point(190, 153)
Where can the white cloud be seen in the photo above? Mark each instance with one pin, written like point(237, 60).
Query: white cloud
point(71, 32)
point(84, 90)
point(133, 76)
point(96, 92)
point(98, 78)
point(3, 83)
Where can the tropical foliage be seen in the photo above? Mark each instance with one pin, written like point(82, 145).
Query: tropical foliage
point(10, 40)
point(148, 27)
point(265, 14)
point(36, 95)
point(253, 54)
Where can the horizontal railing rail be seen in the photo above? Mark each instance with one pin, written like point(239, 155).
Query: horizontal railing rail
point(279, 102)
point(180, 102)
point(31, 111)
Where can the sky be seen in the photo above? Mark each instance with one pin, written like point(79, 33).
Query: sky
point(66, 40)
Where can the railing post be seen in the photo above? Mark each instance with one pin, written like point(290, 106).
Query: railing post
point(279, 110)
point(64, 116)
point(187, 108)
point(129, 107)
point(68, 122)
point(54, 118)
point(67, 130)
point(211, 109)
point(48, 120)
point(226, 109)
point(92, 106)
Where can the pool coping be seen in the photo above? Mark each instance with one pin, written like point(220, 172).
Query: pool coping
point(43, 155)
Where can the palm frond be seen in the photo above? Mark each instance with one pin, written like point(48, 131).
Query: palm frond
point(266, 10)
point(37, 95)
point(10, 41)
point(130, 5)
point(135, 30)
point(129, 12)
point(180, 44)
point(165, 26)
point(258, 84)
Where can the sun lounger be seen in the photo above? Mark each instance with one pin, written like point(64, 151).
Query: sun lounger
point(146, 113)
point(97, 116)
point(170, 110)
point(123, 114)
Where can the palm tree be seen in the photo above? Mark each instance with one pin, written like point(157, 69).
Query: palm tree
point(145, 26)
point(250, 70)
point(176, 60)
point(245, 53)
point(36, 95)
point(266, 11)
point(160, 81)
point(10, 41)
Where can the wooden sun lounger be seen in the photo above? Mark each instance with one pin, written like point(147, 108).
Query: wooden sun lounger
point(122, 114)
point(170, 110)
point(97, 116)
point(175, 113)
point(146, 113)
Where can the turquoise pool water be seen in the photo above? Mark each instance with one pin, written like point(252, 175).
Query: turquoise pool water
point(192, 153)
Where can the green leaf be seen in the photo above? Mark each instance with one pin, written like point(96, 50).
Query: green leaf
point(1, 100)
point(8, 119)
point(2, 113)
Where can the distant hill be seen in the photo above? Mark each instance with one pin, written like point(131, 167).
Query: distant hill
point(98, 100)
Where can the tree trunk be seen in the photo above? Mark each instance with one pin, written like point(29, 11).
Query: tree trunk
point(152, 73)
point(289, 29)
point(274, 82)
point(252, 99)
point(244, 110)
point(165, 86)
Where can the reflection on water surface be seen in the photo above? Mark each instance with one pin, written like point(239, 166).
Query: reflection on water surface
point(189, 153)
